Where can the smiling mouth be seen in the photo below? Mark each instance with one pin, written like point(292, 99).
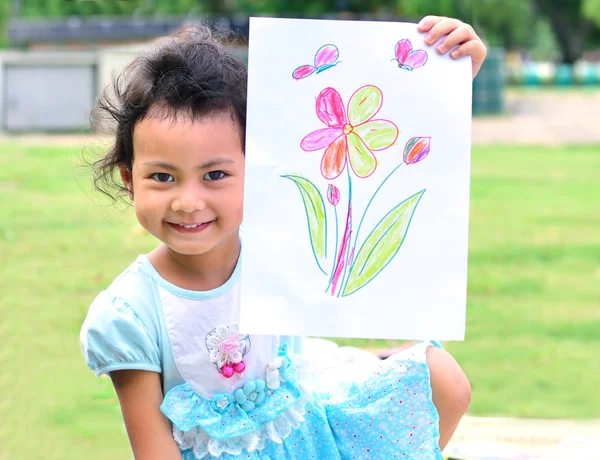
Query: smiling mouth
point(191, 228)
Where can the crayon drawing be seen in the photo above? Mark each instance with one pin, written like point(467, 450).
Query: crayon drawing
point(325, 58)
point(350, 138)
point(356, 187)
point(407, 58)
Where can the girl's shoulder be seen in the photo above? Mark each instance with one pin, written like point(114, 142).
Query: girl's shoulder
point(136, 289)
point(135, 280)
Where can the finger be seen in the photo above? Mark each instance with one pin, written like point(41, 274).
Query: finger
point(442, 28)
point(474, 48)
point(459, 36)
point(428, 22)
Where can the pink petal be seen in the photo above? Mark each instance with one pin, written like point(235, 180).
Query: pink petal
point(330, 108)
point(326, 55)
point(416, 59)
point(403, 48)
point(320, 139)
point(303, 71)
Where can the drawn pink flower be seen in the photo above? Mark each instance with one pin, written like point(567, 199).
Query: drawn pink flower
point(351, 133)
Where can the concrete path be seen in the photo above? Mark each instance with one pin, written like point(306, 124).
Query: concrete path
point(483, 438)
point(532, 118)
point(543, 118)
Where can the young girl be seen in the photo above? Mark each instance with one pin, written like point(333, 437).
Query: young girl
point(190, 385)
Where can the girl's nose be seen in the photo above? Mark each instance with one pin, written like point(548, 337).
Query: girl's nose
point(188, 203)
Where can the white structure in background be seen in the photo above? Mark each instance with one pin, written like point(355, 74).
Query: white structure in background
point(43, 91)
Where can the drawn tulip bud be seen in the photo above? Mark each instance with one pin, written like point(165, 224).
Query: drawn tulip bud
point(416, 149)
point(333, 194)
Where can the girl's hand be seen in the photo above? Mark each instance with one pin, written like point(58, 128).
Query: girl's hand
point(458, 33)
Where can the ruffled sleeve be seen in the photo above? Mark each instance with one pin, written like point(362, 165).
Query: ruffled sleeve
point(113, 337)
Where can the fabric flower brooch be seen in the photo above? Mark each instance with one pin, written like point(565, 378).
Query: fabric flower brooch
point(221, 402)
point(227, 347)
point(251, 395)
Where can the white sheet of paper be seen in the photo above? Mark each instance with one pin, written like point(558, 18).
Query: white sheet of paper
point(396, 271)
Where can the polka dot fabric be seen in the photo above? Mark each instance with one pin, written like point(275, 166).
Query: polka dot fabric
point(386, 413)
point(390, 414)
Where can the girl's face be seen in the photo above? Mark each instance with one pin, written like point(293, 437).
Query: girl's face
point(187, 181)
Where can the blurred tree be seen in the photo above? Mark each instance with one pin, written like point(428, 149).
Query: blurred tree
point(32, 8)
point(506, 23)
point(4, 17)
point(415, 8)
point(502, 22)
point(191, 6)
point(591, 10)
point(571, 27)
point(288, 7)
point(217, 6)
point(509, 23)
point(57, 8)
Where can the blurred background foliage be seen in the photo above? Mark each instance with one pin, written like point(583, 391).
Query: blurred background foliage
point(562, 30)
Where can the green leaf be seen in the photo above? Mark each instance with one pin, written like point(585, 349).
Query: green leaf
point(316, 216)
point(381, 245)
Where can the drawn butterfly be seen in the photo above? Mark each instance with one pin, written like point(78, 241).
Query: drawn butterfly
point(325, 58)
point(407, 58)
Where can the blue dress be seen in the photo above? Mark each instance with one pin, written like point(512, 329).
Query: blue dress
point(230, 395)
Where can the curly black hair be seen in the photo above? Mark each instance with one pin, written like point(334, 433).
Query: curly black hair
point(190, 74)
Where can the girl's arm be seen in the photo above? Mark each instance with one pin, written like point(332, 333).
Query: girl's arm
point(140, 396)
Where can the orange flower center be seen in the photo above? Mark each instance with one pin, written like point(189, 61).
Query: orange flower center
point(348, 128)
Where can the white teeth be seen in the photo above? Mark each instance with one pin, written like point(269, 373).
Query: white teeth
point(188, 226)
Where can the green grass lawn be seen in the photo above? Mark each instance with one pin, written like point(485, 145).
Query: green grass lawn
point(533, 334)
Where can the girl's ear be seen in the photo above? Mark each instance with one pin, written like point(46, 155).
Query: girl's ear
point(127, 180)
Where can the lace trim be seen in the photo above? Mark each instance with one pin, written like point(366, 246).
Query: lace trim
point(202, 445)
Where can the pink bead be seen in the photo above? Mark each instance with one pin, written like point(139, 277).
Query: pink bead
point(239, 367)
point(227, 371)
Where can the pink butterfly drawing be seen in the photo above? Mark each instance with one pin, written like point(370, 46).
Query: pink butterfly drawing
point(325, 58)
point(407, 58)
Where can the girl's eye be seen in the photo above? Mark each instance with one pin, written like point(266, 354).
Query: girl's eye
point(214, 175)
point(162, 177)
